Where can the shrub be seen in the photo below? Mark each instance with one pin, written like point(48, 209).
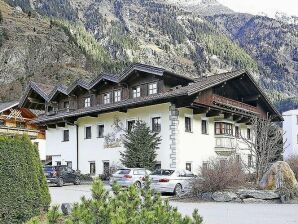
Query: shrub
point(293, 162)
point(127, 206)
point(219, 175)
point(24, 191)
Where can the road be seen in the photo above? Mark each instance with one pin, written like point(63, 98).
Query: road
point(213, 213)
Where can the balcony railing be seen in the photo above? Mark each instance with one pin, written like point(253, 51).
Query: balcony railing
point(225, 145)
point(12, 131)
point(223, 101)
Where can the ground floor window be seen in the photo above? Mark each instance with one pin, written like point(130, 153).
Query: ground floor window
point(58, 163)
point(92, 168)
point(69, 164)
point(106, 168)
point(249, 160)
point(188, 166)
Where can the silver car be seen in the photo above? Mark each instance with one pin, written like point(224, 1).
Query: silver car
point(129, 176)
point(171, 181)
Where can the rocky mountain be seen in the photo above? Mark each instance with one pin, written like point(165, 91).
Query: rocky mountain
point(188, 37)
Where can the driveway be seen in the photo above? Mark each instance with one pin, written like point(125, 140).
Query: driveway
point(213, 213)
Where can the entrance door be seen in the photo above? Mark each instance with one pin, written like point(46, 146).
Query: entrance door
point(106, 169)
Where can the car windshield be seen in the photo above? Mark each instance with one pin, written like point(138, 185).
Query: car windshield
point(123, 171)
point(163, 172)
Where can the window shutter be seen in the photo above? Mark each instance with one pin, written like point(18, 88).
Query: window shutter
point(144, 90)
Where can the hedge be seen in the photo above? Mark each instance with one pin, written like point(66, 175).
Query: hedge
point(23, 190)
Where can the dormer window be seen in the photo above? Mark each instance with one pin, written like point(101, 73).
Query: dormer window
point(87, 102)
point(152, 88)
point(106, 98)
point(117, 95)
point(136, 92)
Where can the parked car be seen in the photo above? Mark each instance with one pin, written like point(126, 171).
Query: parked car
point(171, 181)
point(129, 176)
point(61, 174)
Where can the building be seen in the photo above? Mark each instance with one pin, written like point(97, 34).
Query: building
point(196, 118)
point(18, 121)
point(290, 128)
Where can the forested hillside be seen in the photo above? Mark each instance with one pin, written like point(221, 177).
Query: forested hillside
point(110, 34)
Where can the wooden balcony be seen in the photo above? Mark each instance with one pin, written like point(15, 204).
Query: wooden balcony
point(223, 102)
point(13, 131)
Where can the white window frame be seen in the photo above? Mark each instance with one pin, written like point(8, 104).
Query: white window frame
point(87, 102)
point(152, 88)
point(107, 98)
point(117, 95)
point(136, 91)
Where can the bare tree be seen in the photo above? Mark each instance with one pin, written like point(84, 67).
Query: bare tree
point(265, 144)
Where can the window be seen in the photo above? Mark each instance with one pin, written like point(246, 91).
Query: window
point(248, 133)
point(297, 118)
point(36, 144)
point(188, 166)
point(106, 98)
point(204, 127)
point(238, 158)
point(237, 133)
point(156, 124)
point(249, 160)
point(50, 109)
point(58, 163)
point(66, 104)
point(100, 129)
point(20, 124)
point(188, 124)
point(117, 95)
point(87, 102)
point(65, 135)
point(92, 168)
point(130, 125)
point(69, 164)
point(223, 128)
point(2, 123)
point(136, 92)
point(88, 132)
point(152, 88)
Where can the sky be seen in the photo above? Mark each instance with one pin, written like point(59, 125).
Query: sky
point(270, 7)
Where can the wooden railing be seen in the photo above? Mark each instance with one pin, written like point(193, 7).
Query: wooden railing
point(223, 101)
point(12, 131)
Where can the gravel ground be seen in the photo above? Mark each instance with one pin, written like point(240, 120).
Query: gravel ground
point(213, 213)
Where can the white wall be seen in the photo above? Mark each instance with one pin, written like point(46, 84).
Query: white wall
point(192, 147)
point(41, 148)
point(290, 127)
point(59, 150)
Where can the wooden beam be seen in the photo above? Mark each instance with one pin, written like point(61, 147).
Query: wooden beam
point(61, 124)
point(228, 115)
point(201, 110)
point(51, 125)
point(36, 101)
point(93, 115)
point(213, 113)
point(237, 117)
point(251, 98)
point(123, 110)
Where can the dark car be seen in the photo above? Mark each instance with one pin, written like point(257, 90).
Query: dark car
point(61, 174)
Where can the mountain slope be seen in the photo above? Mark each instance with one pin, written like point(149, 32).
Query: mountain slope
point(110, 34)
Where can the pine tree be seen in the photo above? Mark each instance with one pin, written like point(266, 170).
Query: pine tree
point(140, 144)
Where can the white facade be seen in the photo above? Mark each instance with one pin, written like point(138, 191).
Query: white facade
point(41, 144)
point(290, 128)
point(177, 149)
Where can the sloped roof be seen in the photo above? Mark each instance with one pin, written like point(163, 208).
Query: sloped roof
point(7, 105)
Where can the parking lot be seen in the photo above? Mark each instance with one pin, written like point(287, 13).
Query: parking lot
point(213, 213)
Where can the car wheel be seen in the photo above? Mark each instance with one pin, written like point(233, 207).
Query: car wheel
point(77, 181)
point(60, 182)
point(178, 190)
point(138, 184)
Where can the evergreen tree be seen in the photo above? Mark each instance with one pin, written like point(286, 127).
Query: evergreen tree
point(140, 144)
point(23, 189)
